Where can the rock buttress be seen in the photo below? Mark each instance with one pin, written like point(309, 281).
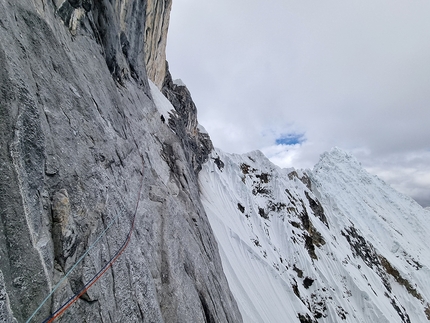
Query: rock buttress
point(197, 144)
point(78, 134)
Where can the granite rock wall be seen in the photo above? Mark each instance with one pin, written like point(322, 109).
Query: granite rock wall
point(78, 133)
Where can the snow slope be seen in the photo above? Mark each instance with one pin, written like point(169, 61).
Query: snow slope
point(164, 107)
point(335, 244)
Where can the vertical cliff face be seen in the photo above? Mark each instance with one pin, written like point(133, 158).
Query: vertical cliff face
point(157, 23)
point(79, 134)
point(133, 33)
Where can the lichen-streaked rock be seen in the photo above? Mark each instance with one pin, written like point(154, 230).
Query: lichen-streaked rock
point(78, 133)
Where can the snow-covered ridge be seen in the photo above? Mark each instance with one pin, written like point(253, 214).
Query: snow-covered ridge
point(334, 244)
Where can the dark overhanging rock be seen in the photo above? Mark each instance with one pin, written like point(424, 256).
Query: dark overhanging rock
point(120, 36)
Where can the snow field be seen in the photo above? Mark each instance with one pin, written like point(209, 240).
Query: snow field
point(260, 215)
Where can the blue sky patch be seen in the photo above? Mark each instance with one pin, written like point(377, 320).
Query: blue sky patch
point(290, 139)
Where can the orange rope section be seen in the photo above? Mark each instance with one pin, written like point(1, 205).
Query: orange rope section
point(73, 299)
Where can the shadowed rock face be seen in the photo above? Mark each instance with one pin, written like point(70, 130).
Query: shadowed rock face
point(183, 121)
point(132, 34)
point(78, 133)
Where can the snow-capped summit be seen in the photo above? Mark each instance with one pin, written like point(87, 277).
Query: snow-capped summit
point(330, 245)
point(337, 156)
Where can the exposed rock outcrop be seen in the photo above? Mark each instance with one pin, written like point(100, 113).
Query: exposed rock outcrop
point(157, 23)
point(196, 143)
point(132, 33)
point(5, 310)
point(78, 133)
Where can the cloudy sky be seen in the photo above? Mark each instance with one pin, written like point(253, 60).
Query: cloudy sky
point(295, 78)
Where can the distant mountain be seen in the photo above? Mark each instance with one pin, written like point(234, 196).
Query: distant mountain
point(334, 244)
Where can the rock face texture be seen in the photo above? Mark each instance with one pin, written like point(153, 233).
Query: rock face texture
point(157, 23)
point(183, 121)
point(79, 132)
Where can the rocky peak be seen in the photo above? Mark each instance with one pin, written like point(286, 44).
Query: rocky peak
point(196, 143)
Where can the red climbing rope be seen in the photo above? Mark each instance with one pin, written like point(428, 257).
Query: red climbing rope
point(102, 271)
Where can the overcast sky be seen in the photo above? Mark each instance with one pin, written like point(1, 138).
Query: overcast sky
point(296, 78)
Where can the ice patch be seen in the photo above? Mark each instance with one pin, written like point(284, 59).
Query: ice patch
point(201, 129)
point(163, 105)
point(179, 82)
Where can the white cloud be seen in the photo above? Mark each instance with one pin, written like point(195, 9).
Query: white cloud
point(347, 74)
